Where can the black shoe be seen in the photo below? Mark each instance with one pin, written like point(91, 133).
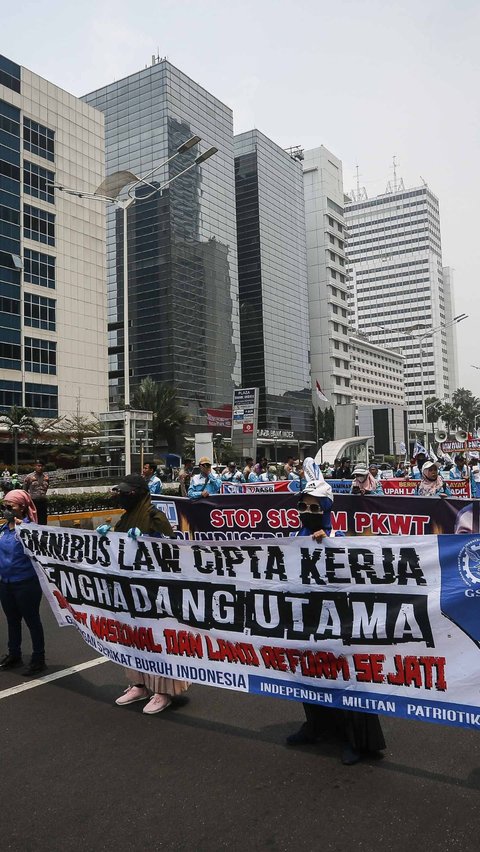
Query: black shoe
point(35, 667)
point(350, 756)
point(9, 661)
point(301, 738)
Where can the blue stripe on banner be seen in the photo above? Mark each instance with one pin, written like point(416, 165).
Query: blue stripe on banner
point(440, 712)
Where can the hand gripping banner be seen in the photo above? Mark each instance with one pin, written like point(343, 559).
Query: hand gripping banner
point(380, 624)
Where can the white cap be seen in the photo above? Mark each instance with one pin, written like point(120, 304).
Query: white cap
point(360, 470)
point(318, 488)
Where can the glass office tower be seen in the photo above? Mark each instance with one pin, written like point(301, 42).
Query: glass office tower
point(182, 254)
point(272, 267)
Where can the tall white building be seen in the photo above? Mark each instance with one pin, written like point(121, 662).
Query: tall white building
point(397, 286)
point(327, 281)
point(451, 330)
point(53, 333)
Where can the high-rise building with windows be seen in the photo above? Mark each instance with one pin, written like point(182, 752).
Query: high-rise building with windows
point(272, 271)
point(327, 276)
point(398, 288)
point(182, 242)
point(53, 335)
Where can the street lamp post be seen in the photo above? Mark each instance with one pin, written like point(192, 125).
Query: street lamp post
point(421, 337)
point(15, 430)
point(141, 436)
point(109, 191)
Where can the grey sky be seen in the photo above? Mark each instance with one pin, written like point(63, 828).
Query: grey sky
point(368, 79)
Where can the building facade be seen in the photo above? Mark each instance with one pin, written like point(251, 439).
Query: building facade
point(451, 329)
point(397, 287)
point(327, 276)
point(272, 270)
point(182, 252)
point(53, 334)
point(377, 373)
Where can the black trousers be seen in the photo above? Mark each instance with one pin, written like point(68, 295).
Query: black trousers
point(22, 601)
point(41, 506)
point(361, 730)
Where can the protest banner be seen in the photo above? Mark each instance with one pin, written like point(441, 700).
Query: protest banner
point(282, 486)
point(391, 487)
point(384, 625)
point(245, 516)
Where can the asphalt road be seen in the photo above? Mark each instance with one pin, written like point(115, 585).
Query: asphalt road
point(80, 773)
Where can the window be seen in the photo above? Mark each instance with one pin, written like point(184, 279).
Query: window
point(38, 225)
point(39, 269)
point(9, 74)
point(10, 355)
point(41, 399)
point(38, 182)
point(38, 139)
point(39, 312)
point(40, 356)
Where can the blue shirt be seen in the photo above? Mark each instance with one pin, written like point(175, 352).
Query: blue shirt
point(154, 485)
point(15, 565)
point(199, 483)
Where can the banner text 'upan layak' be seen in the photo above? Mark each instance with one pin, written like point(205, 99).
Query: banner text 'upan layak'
point(381, 624)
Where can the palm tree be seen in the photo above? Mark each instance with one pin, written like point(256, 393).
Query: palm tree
point(468, 406)
point(433, 411)
point(19, 422)
point(169, 417)
point(451, 416)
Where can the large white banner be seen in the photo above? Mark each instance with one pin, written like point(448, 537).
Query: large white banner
point(383, 624)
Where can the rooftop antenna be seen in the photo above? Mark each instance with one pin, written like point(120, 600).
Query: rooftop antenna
point(360, 193)
point(397, 186)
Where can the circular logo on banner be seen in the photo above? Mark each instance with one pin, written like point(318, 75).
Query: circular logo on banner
point(469, 563)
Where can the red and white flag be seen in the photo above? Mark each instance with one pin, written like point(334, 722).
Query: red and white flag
point(320, 393)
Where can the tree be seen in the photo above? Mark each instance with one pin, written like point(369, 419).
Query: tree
point(433, 411)
point(318, 422)
point(19, 423)
point(468, 406)
point(328, 424)
point(451, 416)
point(169, 416)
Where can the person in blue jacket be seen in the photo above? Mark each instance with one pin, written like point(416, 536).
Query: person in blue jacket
point(360, 733)
point(20, 590)
point(205, 483)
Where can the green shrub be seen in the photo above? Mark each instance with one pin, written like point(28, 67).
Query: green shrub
point(64, 504)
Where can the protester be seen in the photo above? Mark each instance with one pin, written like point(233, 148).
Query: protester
point(360, 733)
point(337, 470)
point(420, 460)
point(185, 476)
point(431, 483)
point(364, 482)
point(248, 469)
point(374, 471)
point(205, 483)
point(269, 475)
point(474, 476)
point(253, 475)
point(346, 469)
point(133, 495)
point(36, 484)
point(150, 475)
point(459, 469)
point(20, 590)
point(231, 473)
point(289, 467)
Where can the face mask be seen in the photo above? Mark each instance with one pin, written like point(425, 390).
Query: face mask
point(8, 514)
point(361, 478)
point(127, 501)
point(312, 522)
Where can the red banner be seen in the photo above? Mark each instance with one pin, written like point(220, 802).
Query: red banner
point(220, 417)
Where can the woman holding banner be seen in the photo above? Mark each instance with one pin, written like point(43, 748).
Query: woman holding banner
point(141, 517)
point(361, 733)
point(20, 590)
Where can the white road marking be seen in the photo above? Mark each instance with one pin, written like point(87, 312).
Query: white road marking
point(39, 681)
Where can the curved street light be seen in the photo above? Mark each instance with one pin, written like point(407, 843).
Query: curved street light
point(109, 191)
